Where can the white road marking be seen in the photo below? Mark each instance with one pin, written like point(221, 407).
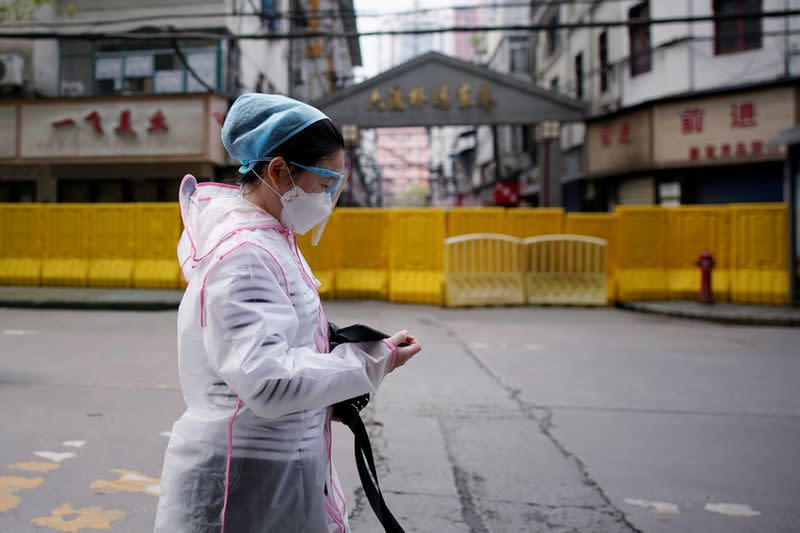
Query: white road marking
point(19, 332)
point(133, 476)
point(55, 457)
point(479, 345)
point(732, 509)
point(656, 507)
point(533, 347)
point(167, 434)
point(74, 443)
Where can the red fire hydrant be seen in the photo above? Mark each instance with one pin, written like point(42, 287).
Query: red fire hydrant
point(706, 264)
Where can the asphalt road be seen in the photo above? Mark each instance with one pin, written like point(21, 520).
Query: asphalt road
point(510, 420)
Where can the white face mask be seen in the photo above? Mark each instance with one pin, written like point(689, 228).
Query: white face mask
point(302, 210)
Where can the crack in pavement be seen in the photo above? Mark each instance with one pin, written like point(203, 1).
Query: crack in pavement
point(469, 510)
point(544, 422)
point(552, 507)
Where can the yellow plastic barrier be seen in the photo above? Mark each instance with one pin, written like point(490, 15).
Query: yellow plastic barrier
point(690, 230)
point(323, 258)
point(642, 235)
point(416, 257)
point(468, 220)
point(21, 244)
point(566, 270)
point(760, 260)
point(363, 270)
point(484, 269)
point(524, 223)
point(66, 244)
point(603, 226)
point(112, 245)
point(156, 241)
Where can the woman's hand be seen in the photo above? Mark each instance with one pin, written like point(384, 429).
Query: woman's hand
point(410, 348)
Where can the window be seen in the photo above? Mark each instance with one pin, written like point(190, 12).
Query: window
point(554, 84)
point(552, 34)
point(112, 67)
point(603, 48)
point(579, 76)
point(639, 39)
point(519, 54)
point(737, 34)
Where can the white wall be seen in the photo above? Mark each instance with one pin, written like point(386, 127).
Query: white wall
point(679, 65)
point(693, 66)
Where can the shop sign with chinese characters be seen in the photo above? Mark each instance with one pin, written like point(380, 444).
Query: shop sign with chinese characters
point(146, 127)
point(621, 143)
point(442, 97)
point(722, 128)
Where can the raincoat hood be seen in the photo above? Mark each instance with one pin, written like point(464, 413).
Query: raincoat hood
point(211, 213)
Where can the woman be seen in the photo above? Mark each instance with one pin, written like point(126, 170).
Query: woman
point(252, 452)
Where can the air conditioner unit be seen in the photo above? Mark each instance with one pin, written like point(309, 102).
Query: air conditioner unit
point(12, 67)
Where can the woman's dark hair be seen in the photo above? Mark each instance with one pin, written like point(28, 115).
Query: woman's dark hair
point(316, 142)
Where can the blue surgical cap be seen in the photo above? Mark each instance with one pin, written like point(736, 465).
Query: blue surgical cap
point(258, 123)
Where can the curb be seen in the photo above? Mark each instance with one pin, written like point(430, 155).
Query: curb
point(89, 298)
point(98, 306)
point(737, 320)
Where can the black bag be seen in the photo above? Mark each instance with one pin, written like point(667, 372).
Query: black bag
point(347, 412)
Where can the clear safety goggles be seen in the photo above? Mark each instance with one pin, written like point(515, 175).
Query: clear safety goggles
point(334, 183)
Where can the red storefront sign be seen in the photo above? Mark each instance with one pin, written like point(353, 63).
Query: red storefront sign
point(506, 192)
point(742, 115)
point(157, 123)
point(94, 119)
point(692, 121)
point(64, 123)
point(623, 134)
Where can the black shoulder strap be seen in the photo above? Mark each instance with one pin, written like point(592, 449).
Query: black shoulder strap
point(372, 489)
point(347, 412)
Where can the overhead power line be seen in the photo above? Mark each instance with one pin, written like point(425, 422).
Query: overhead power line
point(302, 15)
point(200, 34)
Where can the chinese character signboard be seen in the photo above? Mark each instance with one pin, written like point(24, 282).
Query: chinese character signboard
point(719, 129)
point(618, 144)
point(150, 128)
point(722, 128)
point(437, 90)
point(692, 121)
point(395, 98)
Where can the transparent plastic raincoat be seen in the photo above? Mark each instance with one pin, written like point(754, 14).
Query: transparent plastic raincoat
point(252, 452)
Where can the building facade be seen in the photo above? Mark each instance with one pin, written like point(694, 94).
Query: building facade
point(491, 162)
point(404, 156)
point(320, 66)
point(114, 109)
point(679, 113)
